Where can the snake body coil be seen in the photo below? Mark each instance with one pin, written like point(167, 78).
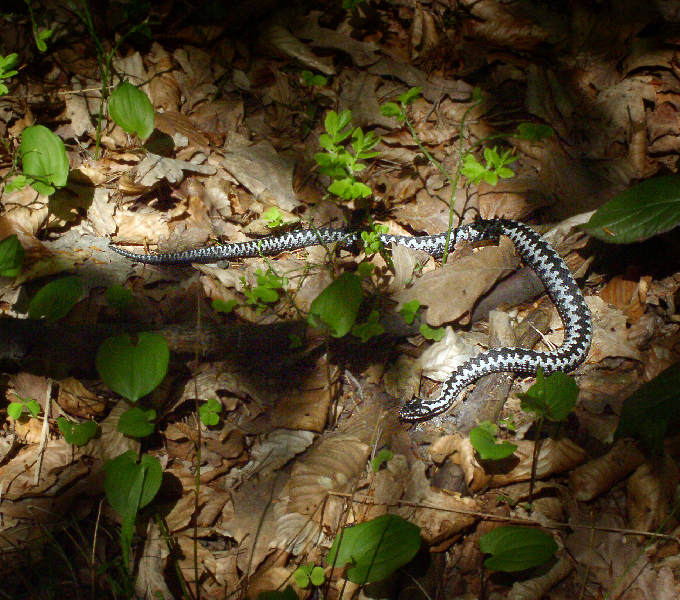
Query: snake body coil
point(535, 252)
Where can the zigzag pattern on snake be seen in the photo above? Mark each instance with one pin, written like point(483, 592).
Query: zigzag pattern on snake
point(535, 252)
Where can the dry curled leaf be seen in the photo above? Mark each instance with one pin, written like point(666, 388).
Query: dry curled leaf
point(649, 494)
point(537, 587)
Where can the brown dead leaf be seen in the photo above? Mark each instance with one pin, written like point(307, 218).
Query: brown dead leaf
point(537, 587)
point(649, 494)
point(451, 292)
point(165, 93)
point(77, 400)
point(597, 476)
point(626, 295)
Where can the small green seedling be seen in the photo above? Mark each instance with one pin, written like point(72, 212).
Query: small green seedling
point(483, 440)
point(350, 5)
point(365, 269)
point(137, 422)
point(552, 397)
point(371, 239)
point(383, 457)
point(309, 574)
point(340, 164)
point(15, 409)
point(77, 434)
point(273, 216)
point(392, 109)
point(312, 79)
point(133, 368)
point(370, 328)
point(336, 307)
point(118, 297)
point(494, 168)
point(432, 333)
point(266, 290)
point(375, 549)
point(224, 306)
point(131, 109)
point(209, 412)
point(409, 310)
point(43, 160)
point(12, 256)
point(7, 70)
point(515, 548)
point(54, 300)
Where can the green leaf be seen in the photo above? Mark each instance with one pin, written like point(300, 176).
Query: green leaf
point(534, 132)
point(376, 548)
point(392, 109)
point(302, 575)
point(132, 110)
point(369, 328)
point(223, 306)
point(385, 455)
point(408, 97)
point(483, 439)
point(118, 297)
point(137, 422)
point(317, 576)
point(273, 216)
point(43, 158)
point(337, 306)
point(14, 409)
point(11, 256)
point(8, 62)
point(429, 333)
point(472, 169)
point(552, 397)
point(77, 434)
point(409, 310)
point(20, 181)
point(287, 594)
point(652, 409)
point(209, 412)
point(133, 369)
point(54, 300)
point(645, 210)
point(514, 548)
point(33, 407)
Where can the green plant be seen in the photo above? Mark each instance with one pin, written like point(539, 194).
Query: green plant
point(77, 434)
point(552, 397)
point(384, 456)
point(119, 297)
point(494, 168)
point(43, 159)
point(55, 299)
point(534, 132)
point(312, 79)
point(266, 290)
point(131, 109)
point(337, 306)
point(375, 549)
point(515, 548)
point(309, 574)
point(350, 5)
point(287, 594)
point(16, 408)
point(224, 306)
point(12, 256)
point(40, 36)
point(340, 164)
point(371, 327)
point(409, 310)
point(209, 412)
point(371, 239)
point(647, 209)
point(273, 217)
point(483, 440)
point(7, 70)
point(137, 422)
point(434, 334)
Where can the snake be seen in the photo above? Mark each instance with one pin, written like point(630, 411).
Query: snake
point(535, 252)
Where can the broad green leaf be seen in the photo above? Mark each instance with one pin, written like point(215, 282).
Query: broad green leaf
point(645, 210)
point(137, 422)
point(552, 397)
point(287, 594)
point(651, 409)
point(14, 409)
point(384, 456)
point(483, 439)
point(515, 548)
point(11, 256)
point(209, 412)
point(408, 97)
point(369, 328)
point(375, 549)
point(77, 434)
point(224, 306)
point(43, 159)
point(337, 306)
point(133, 369)
point(123, 473)
point(409, 310)
point(118, 297)
point(55, 299)
point(432, 333)
point(132, 110)
point(534, 132)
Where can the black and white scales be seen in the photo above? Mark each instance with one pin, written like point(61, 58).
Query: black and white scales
point(535, 252)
